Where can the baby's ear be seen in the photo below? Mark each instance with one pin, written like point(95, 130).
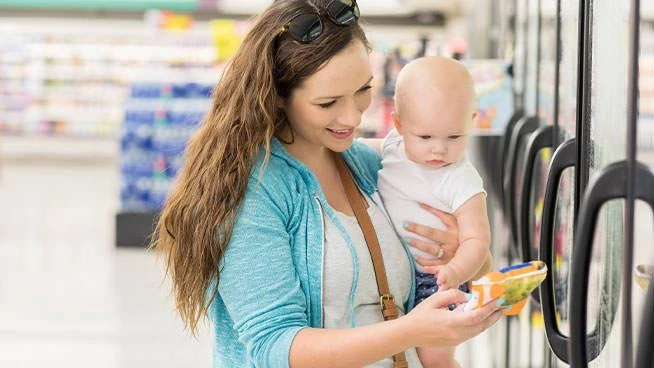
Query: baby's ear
point(396, 121)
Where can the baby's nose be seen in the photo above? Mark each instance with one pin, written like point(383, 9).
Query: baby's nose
point(438, 148)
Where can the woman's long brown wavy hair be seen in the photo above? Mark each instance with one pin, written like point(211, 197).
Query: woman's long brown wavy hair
point(196, 222)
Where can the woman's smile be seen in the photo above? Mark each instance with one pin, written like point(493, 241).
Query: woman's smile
point(341, 133)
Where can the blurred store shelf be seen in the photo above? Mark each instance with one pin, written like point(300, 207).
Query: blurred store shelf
point(44, 148)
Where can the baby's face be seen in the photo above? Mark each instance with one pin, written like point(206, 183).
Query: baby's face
point(435, 136)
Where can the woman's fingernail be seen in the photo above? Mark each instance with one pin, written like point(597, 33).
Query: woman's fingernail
point(468, 297)
point(405, 225)
point(499, 302)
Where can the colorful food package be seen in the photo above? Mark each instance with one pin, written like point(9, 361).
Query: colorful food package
point(513, 284)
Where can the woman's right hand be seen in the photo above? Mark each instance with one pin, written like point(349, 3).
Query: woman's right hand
point(433, 324)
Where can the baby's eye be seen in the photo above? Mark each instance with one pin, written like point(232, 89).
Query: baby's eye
point(327, 104)
point(425, 137)
point(454, 137)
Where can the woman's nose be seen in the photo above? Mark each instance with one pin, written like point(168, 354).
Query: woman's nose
point(351, 115)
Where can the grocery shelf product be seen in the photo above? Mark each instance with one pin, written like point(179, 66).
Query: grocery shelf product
point(158, 121)
point(72, 78)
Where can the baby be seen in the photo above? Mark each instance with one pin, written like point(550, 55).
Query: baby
point(424, 161)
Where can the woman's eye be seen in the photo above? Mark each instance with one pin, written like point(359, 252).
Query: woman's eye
point(327, 104)
point(365, 88)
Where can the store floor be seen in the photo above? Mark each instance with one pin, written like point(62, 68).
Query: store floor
point(68, 297)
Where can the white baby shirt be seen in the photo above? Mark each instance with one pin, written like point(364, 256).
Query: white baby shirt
point(403, 185)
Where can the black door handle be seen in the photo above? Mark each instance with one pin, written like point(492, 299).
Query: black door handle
point(510, 146)
point(645, 353)
point(504, 151)
point(525, 126)
point(506, 138)
point(540, 139)
point(564, 157)
point(609, 183)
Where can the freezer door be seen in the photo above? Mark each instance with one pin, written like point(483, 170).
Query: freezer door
point(643, 265)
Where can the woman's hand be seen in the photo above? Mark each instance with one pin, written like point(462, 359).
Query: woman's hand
point(433, 324)
point(446, 240)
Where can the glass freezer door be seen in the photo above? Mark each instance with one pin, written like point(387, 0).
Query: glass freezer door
point(521, 347)
point(603, 241)
point(556, 228)
point(643, 265)
point(604, 144)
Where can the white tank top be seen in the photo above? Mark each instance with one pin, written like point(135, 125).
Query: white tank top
point(338, 275)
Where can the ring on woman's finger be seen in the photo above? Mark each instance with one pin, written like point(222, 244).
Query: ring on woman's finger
point(441, 252)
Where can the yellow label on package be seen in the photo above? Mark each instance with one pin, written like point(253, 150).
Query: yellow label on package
point(226, 38)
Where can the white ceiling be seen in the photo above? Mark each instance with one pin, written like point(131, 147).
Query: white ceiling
point(368, 7)
point(403, 7)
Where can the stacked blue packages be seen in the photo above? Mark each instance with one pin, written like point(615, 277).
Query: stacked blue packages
point(159, 120)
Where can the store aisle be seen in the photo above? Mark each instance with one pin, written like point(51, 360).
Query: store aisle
point(68, 297)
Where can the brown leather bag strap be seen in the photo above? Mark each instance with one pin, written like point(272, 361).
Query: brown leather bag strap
point(358, 203)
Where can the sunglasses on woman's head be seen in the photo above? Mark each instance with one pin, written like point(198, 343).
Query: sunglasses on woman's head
point(308, 26)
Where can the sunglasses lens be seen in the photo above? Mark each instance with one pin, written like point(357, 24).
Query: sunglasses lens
point(305, 27)
point(343, 12)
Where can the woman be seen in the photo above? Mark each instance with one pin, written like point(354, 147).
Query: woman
point(258, 232)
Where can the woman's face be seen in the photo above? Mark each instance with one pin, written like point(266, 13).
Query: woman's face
point(326, 108)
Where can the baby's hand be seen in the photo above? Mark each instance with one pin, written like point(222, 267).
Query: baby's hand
point(447, 276)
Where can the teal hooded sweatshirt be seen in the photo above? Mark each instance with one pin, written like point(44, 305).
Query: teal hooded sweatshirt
point(271, 275)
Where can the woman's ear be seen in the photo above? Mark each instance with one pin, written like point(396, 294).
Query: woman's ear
point(281, 102)
point(396, 121)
